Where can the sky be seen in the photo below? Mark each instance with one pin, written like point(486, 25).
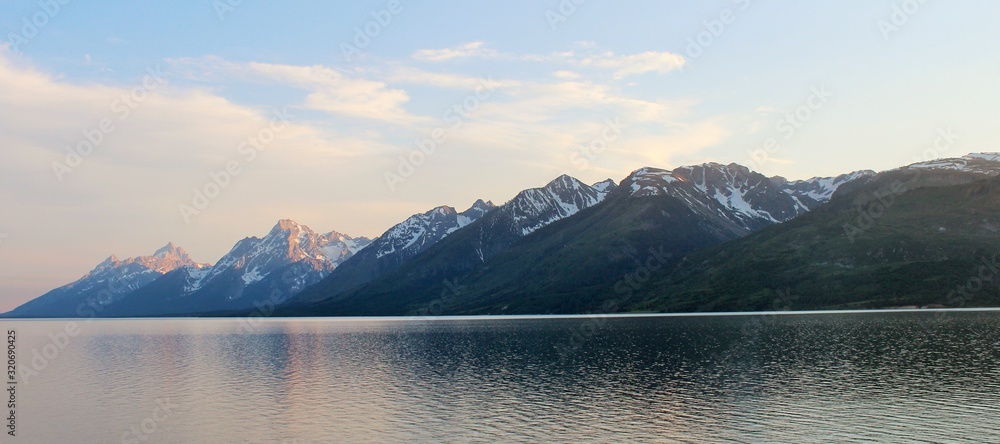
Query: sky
point(125, 125)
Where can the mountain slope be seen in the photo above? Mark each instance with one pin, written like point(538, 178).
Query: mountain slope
point(565, 247)
point(810, 194)
point(256, 271)
point(487, 268)
point(106, 284)
point(908, 238)
point(398, 245)
point(977, 163)
point(496, 230)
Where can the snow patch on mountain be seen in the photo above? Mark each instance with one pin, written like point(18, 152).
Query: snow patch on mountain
point(422, 230)
point(254, 259)
point(606, 186)
point(565, 196)
point(115, 277)
point(979, 163)
point(733, 192)
point(811, 193)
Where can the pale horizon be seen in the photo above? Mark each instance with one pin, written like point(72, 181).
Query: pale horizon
point(313, 109)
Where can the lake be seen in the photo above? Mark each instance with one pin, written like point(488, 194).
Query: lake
point(846, 377)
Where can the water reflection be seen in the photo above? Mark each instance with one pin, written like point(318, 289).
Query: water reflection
point(806, 378)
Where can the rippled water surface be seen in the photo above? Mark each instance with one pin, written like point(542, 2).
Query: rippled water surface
point(864, 377)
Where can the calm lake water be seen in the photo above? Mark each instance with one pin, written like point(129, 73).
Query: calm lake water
point(858, 377)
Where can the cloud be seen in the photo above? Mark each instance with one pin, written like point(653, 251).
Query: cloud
point(635, 64)
point(326, 169)
point(327, 89)
point(415, 76)
point(621, 66)
point(566, 75)
point(544, 101)
point(123, 196)
point(336, 93)
point(471, 49)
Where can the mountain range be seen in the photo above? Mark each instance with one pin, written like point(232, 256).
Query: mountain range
point(707, 237)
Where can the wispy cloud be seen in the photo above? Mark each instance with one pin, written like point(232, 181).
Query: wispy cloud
point(635, 64)
point(620, 65)
point(408, 75)
point(355, 125)
point(566, 75)
point(146, 165)
point(327, 89)
point(337, 93)
point(471, 49)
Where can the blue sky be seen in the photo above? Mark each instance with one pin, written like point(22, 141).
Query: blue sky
point(595, 90)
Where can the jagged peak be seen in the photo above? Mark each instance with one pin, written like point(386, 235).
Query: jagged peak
point(336, 235)
point(564, 181)
point(480, 205)
point(556, 186)
point(477, 210)
point(169, 249)
point(647, 171)
point(289, 228)
point(605, 186)
point(111, 260)
point(846, 176)
point(286, 225)
point(443, 210)
point(698, 174)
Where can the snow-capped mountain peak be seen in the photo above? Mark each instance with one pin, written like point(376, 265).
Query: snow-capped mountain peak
point(419, 231)
point(401, 243)
point(564, 196)
point(476, 211)
point(120, 276)
point(979, 163)
point(811, 193)
point(605, 186)
point(288, 242)
point(733, 192)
